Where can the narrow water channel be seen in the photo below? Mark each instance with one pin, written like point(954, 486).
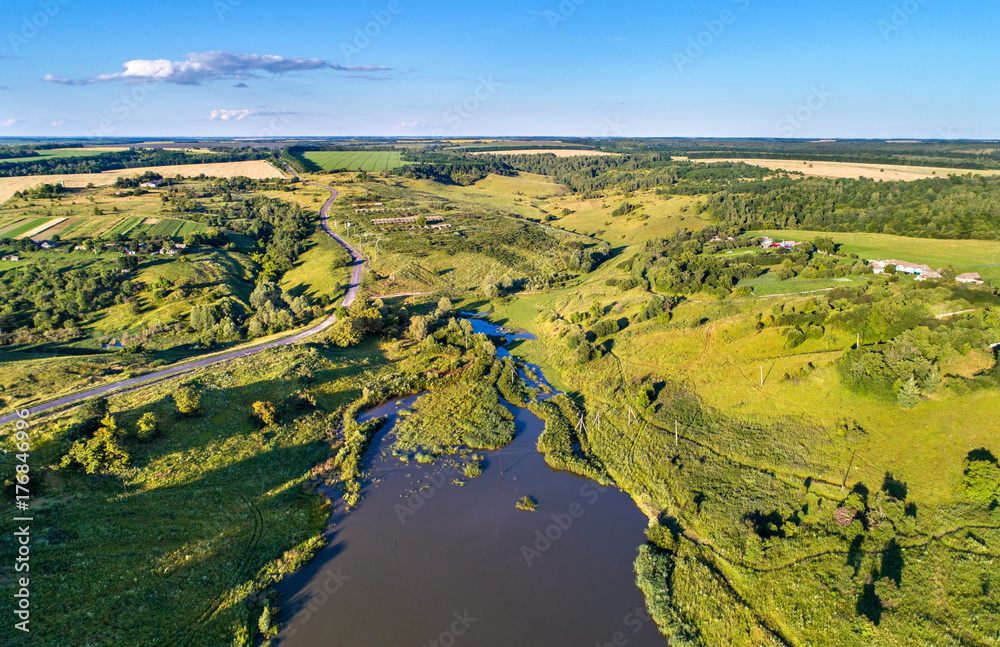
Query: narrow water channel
point(425, 561)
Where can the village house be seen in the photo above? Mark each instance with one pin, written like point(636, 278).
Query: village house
point(152, 184)
point(922, 272)
point(11, 257)
point(970, 277)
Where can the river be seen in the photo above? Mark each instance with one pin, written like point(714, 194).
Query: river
point(425, 561)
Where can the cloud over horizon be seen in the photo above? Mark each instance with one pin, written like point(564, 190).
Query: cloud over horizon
point(243, 113)
point(204, 67)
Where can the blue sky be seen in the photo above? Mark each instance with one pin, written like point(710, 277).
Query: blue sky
point(720, 68)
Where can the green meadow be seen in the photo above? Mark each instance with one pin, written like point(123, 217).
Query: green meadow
point(981, 256)
point(372, 161)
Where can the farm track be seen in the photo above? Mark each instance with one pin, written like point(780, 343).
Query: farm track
point(357, 272)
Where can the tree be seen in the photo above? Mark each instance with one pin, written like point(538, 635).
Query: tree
point(909, 394)
point(264, 292)
point(102, 454)
point(949, 273)
point(128, 263)
point(147, 426)
point(264, 623)
point(264, 411)
point(982, 481)
point(444, 306)
point(418, 328)
point(188, 401)
point(346, 332)
point(422, 221)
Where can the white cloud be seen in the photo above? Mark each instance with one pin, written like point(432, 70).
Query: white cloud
point(59, 122)
point(243, 113)
point(7, 123)
point(231, 115)
point(203, 67)
point(406, 125)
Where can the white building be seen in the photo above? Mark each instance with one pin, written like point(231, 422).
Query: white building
point(913, 269)
point(970, 277)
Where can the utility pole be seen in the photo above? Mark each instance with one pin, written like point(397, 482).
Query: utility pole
point(762, 375)
point(675, 433)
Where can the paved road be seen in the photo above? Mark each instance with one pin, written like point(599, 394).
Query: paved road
point(357, 271)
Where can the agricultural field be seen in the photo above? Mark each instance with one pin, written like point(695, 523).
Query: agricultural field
point(727, 413)
point(51, 153)
point(558, 152)
point(372, 161)
point(256, 169)
point(884, 172)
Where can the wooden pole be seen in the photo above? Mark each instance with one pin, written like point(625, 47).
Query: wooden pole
point(762, 375)
point(675, 433)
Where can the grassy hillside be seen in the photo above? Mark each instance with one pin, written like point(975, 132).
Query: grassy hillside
point(982, 256)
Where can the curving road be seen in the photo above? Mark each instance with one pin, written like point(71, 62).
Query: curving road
point(357, 271)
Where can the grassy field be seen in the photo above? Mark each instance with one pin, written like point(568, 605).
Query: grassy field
point(525, 194)
point(321, 272)
point(964, 255)
point(656, 216)
point(213, 510)
point(372, 161)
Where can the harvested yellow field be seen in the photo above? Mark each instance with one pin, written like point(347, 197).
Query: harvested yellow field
point(255, 170)
point(886, 172)
point(44, 226)
point(558, 152)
